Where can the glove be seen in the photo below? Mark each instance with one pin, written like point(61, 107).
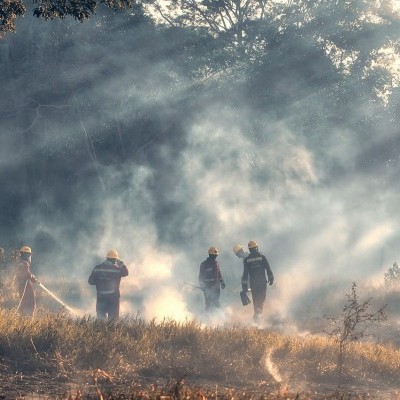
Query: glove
point(271, 281)
point(34, 279)
point(245, 288)
point(222, 285)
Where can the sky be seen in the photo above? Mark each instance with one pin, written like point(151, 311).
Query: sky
point(323, 208)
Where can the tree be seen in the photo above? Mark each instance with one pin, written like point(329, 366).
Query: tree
point(55, 9)
point(231, 18)
point(9, 11)
point(353, 35)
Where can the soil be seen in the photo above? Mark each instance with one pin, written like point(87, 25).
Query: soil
point(80, 385)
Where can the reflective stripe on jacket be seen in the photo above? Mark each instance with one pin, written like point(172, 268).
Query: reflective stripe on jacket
point(107, 277)
point(255, 266)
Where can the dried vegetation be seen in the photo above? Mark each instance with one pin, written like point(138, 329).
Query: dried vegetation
point(85, 358)
point(100, 356)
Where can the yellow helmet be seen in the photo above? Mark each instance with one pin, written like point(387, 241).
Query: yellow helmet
point(213, 250)
point(112, 253)
point(237, 248)
point(25, 249)
point(252, 244)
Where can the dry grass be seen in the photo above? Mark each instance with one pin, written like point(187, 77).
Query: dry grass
point(132, 349)
point(148, 360)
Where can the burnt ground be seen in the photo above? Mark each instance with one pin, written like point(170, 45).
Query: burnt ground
point(80, 385)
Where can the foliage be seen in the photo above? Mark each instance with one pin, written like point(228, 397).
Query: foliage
point(80, 10)
point(228, 19)
point(9, 11)
point(297, 62)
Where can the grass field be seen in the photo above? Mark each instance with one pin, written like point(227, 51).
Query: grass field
point(60, 356)
point(131, 351)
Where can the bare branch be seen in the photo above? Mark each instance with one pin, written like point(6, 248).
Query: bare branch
point(228, 11)
point(158, 8)
point(351, 325)
point(212, 24)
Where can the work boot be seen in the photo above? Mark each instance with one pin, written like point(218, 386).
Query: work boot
point(256, 317)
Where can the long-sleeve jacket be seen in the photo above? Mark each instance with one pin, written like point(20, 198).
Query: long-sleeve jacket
point(210, 273)
point(107, 277)
point(255, 265)
point(24, 276)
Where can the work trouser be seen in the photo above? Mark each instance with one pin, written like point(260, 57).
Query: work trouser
point(107, 306)
point(258, 293)
point(211, 296)
point(27, 303)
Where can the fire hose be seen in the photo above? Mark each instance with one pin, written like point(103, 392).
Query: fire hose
point(193, 286)
point(22, 297)
point(243, 295)
point(56, 298)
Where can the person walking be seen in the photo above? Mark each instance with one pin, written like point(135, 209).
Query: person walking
point(256, 267)
point(210, 279)
point(107, 278)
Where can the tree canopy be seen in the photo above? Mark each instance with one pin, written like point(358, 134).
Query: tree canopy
point(81, 10)
point(124, 89)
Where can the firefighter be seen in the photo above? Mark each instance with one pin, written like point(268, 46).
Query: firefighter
point(255, 266)
point(107, 278)
point(24, 279)
point(239, 252)
point(210, 279)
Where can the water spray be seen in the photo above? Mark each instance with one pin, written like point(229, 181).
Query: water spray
point(57, 299)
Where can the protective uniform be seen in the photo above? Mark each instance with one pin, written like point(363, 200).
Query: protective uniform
point(107, 278)
point(255, 266)
point(210, 279)
point(24, 279)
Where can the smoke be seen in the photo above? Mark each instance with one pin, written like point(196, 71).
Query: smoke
point(118, 150)
point(167, 303)
point(272, 368)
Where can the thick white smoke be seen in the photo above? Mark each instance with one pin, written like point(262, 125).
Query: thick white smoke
point(318, 214)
